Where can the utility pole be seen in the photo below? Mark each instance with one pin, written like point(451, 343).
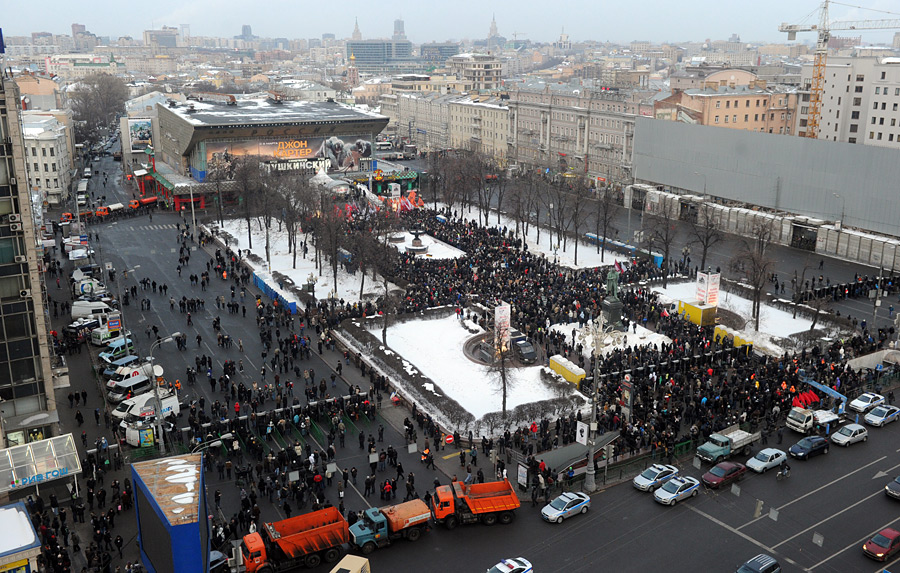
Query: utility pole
point(596, 331)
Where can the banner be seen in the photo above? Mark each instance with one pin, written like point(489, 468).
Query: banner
point(140, 133)
point(712, 293)
point(501, 325)
point(702, 287)
point(307, 153)
point(581, 433)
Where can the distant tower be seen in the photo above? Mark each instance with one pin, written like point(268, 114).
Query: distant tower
point(357, 35)
point(352, 72)
point(78, 29)
point(185, 32)
point(247, 31)
point(493, 33)
point(399, 33)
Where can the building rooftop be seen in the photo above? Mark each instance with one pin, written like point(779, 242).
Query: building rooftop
point(264, 112)
point(741, 90)
point(174, 484)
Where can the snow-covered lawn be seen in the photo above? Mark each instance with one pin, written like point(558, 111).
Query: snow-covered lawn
point(436, 249)
point(636, 336)
point(435, 348)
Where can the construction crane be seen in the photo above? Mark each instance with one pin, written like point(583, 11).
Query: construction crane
point(823, 29)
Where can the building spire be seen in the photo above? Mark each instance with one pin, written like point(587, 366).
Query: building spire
point(357, 35)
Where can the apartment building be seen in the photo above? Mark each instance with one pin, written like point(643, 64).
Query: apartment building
point(424, 119)
point(478, 71)
point(28, 407)
point(48, 156)
point(574, 126)
point(750, 108)
point(480, 124)
point(860, 103)
point(76, 66)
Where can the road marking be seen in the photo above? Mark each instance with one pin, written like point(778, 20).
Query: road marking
point(740, 533)
point(854, 544)
point(814, 525)
point(752, 521)
point(447, 457)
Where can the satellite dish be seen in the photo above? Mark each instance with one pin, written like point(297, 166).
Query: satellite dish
point(157, 370)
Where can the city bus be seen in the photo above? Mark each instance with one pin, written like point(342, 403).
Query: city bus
point(383, 146)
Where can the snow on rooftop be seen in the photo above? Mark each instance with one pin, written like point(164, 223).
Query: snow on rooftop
point(265, 111)
point(17, 530)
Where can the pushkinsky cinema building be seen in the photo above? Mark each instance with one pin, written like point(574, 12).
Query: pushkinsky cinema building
point(200, 143)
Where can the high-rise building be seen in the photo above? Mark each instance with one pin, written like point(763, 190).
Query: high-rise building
point(185, 33)
point(165, 38)
point(479, 71)
point(246, 31)
point(78, 29)
point(399, 32)
point(28, 407)
point(357, 35)
point(382, 56)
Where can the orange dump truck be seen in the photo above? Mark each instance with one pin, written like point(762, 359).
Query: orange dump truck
point(303, 540)
point(485, 502)
point(378, 527)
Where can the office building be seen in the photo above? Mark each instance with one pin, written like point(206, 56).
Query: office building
point(28, 406)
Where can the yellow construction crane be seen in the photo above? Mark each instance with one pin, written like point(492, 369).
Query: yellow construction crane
point(823, 29)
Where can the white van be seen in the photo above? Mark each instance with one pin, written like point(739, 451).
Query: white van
point(103, 336)
point(89, 309)
point(130, 371)
point(141, 407)
point(116, 350)
point(128, 388)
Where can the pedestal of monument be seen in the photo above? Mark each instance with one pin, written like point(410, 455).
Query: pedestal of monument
point(612, 309)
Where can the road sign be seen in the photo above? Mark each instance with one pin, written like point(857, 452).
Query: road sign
point(113, 324)
point(581, 433)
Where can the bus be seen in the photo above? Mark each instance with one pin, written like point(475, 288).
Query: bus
point(82, 187)
point(383, 146)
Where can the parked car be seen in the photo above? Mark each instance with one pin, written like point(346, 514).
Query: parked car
point(724, 473)
point(677, 489)
point(809, 446)
point(866, 402)
point(566, 505)
point(850, 434)
point(762, 563)
point(883, 544)
point(526, 352)
point(893, 488)
point(654, 476)
point(766, 459)
point(882, 415)
point(514, 565)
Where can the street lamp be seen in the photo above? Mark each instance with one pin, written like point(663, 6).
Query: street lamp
point(596, 330)
point(843, 204)
point(214, 444)
point(704, 182)
point(153, 347)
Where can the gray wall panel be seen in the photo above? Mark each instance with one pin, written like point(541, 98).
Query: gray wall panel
point(782, 172)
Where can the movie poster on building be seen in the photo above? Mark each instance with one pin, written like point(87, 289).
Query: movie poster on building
point(309, 154)
point(140, 133)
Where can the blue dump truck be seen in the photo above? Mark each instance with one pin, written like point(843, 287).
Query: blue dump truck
point(378, 527)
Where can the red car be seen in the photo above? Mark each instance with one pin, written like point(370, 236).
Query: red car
point(724, 473)
point(883, 544)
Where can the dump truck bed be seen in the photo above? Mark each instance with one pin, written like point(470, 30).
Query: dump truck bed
point(309, 532)
point(487, 497)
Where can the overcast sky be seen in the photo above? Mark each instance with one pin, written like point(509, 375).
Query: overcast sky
point(538, 20)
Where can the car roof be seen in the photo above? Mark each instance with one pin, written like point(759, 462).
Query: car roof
point(568, 496)
point(760, 561)
point(727, 464)
point(659, 467)
point(683, 479)
point(889, 532)
point(854, 426)
point(771, 451)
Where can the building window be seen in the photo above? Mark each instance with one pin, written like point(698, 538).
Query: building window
point(890, 137)
point(53, 165)
point(880, 121)
point(852, 140)
point(878, 90)
point(853, 128)
point(727, 104)
point(717, 119)
point(854, 115)
point(726, 119)
point(755, 117)
point(36, 167)
point(43, 152)
point(893, 121)
point(858, 89)
point(34, 151)
point(46, 168)
point(52, 152)
point(56, 183)
point(883, 105)
point(857, 101)
point(747, 103)
point(879, 136)
point(873, 120)
point(882, 77)
point(734, 119)
point(860, 78)
point(871, 135)
point(746, 117)
point(782, 115)
point(897, 91)
point(875, 105)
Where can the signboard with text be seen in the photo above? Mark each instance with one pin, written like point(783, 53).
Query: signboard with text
point(702, 287)
point(712, 292)
point(501, 325)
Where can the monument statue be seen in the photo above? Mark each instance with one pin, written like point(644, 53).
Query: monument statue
point(612, 285)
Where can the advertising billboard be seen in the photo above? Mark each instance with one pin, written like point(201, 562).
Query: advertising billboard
point(140, 133)
point(712, 293)
point(288, 154)
point(502, 314)
point(702, 287)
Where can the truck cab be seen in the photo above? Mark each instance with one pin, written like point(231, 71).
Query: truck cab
point(378, 527)
point(716, 447)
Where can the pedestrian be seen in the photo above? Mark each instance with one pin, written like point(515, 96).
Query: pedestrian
point(119, 543)
point(780, 434)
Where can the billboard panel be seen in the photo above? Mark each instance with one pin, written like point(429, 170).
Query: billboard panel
point(140, 133)
point(712, 292)
point(702, 287)
point(501, 325)
point(288, 154)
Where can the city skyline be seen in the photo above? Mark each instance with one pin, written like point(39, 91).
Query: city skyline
point(580, 19)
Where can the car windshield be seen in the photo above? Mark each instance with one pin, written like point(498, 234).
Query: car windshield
point(881, 541)
point(717, 471)
point(867, 398)
point(650, 474)
point(558, 503)
point(762, 456)
point(123, 407)
point(845, 431)
point(879, 412)
point(671, 486)
point(805, 443)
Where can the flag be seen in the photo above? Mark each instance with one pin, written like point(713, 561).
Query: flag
point(618, 266)
point(665, 313)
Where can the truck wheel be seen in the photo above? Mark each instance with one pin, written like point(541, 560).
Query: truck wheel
point(507, 517)
point(489, 518)
point(368, 548)
point(414, 534)
point(332, 555)
point(450, 522)
point(746, 450)
point(313, 560)
point(264, 569)
point(718, 459)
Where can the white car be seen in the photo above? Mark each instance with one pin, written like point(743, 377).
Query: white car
point(677, 489)
point(654, 476)
point(515, 565)
point(766, 459)
point(882, 415)
point(850, 434)
point(866, 402)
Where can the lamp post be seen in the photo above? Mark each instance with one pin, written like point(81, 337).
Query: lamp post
point(843, 204)
point(704, 182)
point(214, 444)
point(159, 431)
point(597, 328)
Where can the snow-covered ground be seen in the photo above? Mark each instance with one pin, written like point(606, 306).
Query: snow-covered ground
point(435, 348)
point(637, 336)
point(282, 261)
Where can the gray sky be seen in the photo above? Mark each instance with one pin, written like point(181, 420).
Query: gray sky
point(655, 20)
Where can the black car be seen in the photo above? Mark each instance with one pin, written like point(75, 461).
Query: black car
point(762, 563)
point(893, 489)
point(526, 351)
point(809, 446)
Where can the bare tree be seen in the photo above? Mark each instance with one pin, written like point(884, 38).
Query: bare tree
point(606, 211)
point(246, 175)
point(95, 101)
point(660, 233)
point(501, 370)
point(754, 261)
point(579, 210)
point(706, 231)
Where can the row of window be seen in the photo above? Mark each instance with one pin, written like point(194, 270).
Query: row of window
point(37, 183)
point(747, 103)
point(880, 121)
point(878, 91)
point(878, 136)
point(37, 167)
point(34, 152)
point(756, 117)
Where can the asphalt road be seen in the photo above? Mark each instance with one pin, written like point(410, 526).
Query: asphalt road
point(838, 496)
